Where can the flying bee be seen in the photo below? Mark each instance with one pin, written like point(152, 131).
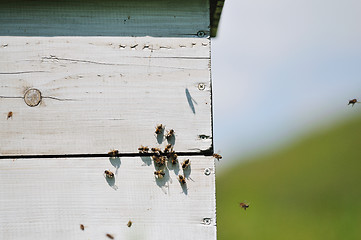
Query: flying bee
point(185, 164)
point(109, 236)
point(168, 148)
point(244, 205)
point(181, 179)
point(159, 129)
point(108, 174)
point(217, 156)
point(143, 149)
point(159, 173)
point(129, 224)
point(113, 153)
point(169, 134)
point(10, 115)
point(82, 227)
point(353, 101)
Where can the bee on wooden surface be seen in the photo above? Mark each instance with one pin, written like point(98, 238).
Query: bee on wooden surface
point(159, 160)
point(113, 153)
point(82, 227)
point(109, 174)
point(353, 101)
point(181, 179)
point(109, 236)
point(129, 224)
point(156, 150)
point(10, 115)
point(169, 134)
point(143, 149)
point(173, 157)
point(185, 164)
point(159, 173)
point(244, 205)
point(168, 148)
point(217, 156)
point(159, 129)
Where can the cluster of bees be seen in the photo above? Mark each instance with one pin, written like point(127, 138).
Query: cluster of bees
point(166, 156)
point(159, 156)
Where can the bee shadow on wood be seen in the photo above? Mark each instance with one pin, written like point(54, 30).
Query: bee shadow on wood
point(184, 188)
point(187, 171)
point(160, 137)
point(171, 140)
point(162, 182)
point(115, 161)
point(147, 160)
point(190, 101)
point(111, 182)
point(174, 167)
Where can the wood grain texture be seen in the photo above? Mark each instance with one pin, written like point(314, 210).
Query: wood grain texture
point(157, 18)
point(50, 198)
point(100, 93)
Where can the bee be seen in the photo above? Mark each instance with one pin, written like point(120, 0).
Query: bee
point(82, 227)
point(181, 179)
point(169, 134)
point(109, 236)
point(10, 115)
point(159, 160)
point(113, 153)
point(108, 174)
point(217, 156)
point(168, 148)
point(143, 149)
point(159, 173)
point(244, 205)
point(159, 129)
point(173, 157)
point(129, 224)
point(185, 164)
point(156, 150)
point(353, 101)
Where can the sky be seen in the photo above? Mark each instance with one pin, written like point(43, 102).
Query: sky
point(282, 69)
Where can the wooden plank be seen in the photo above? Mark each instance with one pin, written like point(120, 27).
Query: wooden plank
point(157, 18)
point(50, 198)
point(100, 93)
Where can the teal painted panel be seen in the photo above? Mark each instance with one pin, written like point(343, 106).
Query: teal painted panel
point(161, 18)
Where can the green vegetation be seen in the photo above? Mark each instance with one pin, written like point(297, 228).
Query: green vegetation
point(311, 190)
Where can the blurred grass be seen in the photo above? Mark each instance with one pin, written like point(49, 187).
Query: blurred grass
point(310, 190)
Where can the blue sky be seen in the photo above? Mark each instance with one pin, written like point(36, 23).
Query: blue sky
point(282, 69)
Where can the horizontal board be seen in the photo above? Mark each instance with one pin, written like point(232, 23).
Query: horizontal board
point(157, 18)
point(50, 198)
point(103, 93)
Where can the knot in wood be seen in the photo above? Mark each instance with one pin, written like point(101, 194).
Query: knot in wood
point(32, 97)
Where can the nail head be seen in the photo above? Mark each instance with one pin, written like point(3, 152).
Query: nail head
point(32, 97)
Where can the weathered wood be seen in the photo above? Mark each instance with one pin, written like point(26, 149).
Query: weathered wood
point(104, 93)
point(50, 198)
point(157, 18)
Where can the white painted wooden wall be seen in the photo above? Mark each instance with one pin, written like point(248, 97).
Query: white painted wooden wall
point(101, 93)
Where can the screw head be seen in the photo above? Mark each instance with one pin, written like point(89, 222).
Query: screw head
point(201, 34)
point(32, 97)
point(207, 221)
point(207, 171)
point(201, 86)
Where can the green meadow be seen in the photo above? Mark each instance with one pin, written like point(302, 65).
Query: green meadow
point(309, 190)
